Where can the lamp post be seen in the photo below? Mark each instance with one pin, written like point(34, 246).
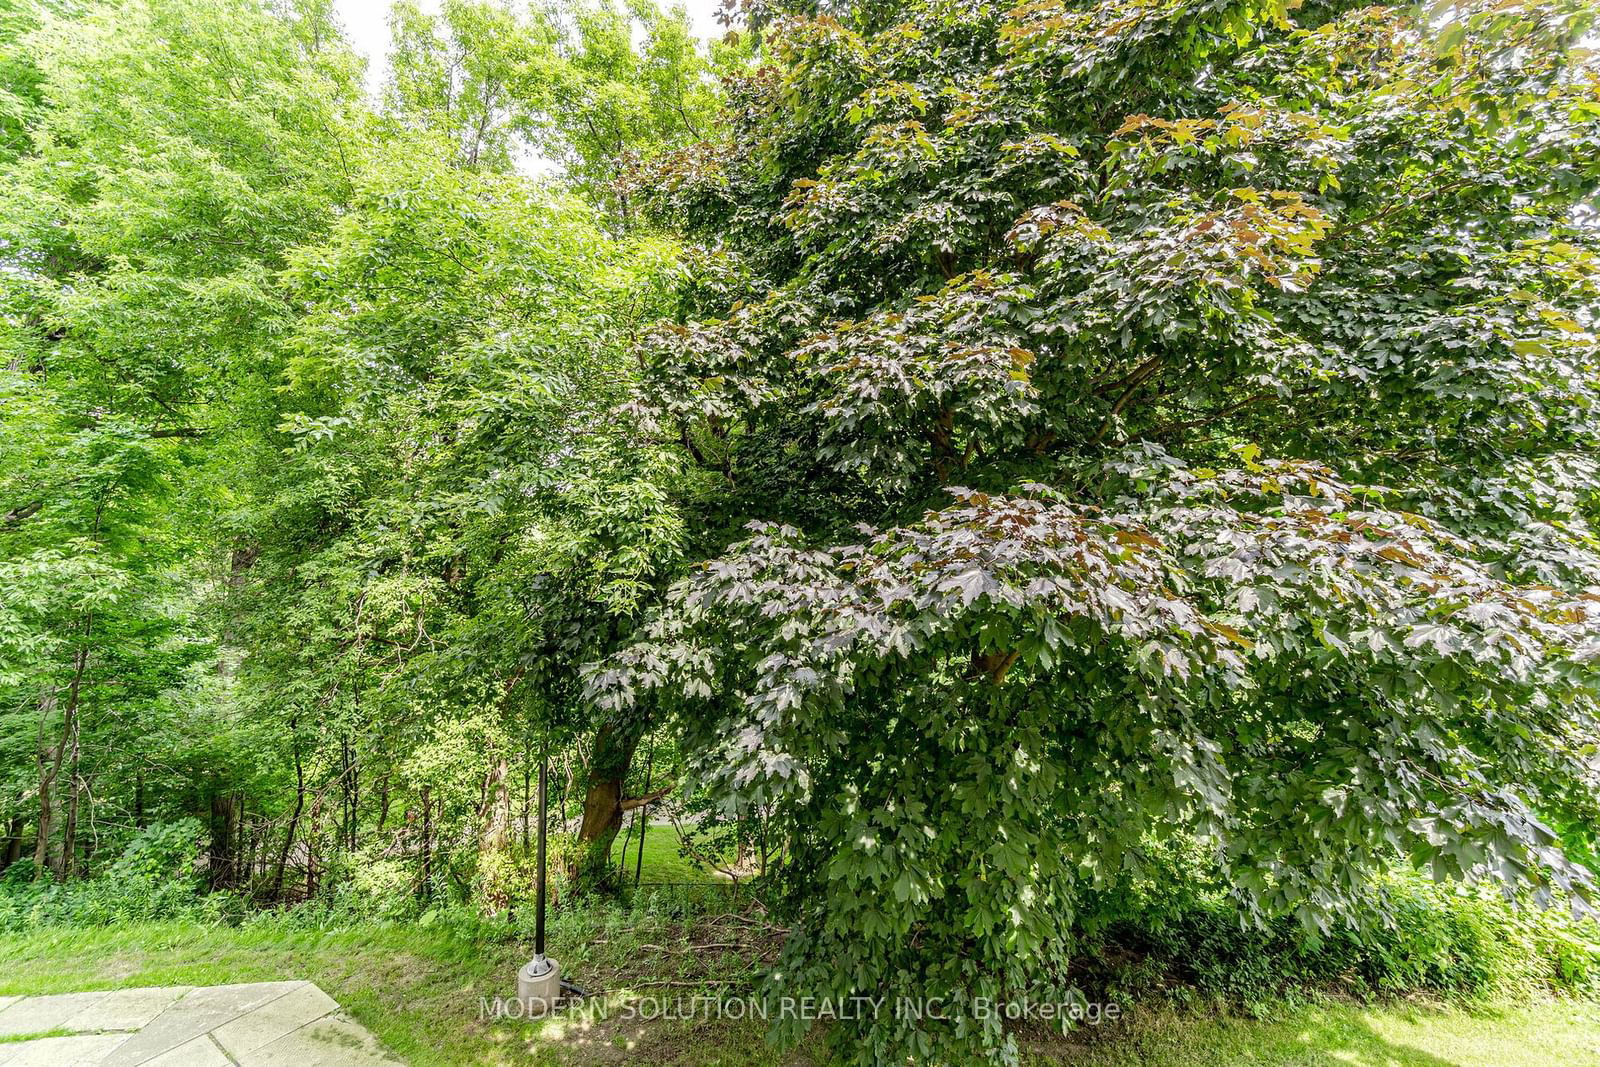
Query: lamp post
point(539, 980)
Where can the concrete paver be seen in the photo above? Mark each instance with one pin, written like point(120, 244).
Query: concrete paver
point(83, 1050)
point(126, 1009)
point(260, 1024)
point(199, 1013)
point(198, 1052)
point(285, 1015)
point(335, 1039)
point(35, 1015)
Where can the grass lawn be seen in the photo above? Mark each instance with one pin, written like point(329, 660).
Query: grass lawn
point(1546, 1034)
point(662, 862)
point(418, 989)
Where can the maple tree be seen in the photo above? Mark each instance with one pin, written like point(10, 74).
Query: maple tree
point(1215, 387)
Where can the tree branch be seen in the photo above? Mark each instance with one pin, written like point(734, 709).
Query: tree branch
point(630, 803)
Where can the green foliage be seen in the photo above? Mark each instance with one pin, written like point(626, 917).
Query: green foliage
point(593, 87)
point(309, 493)
point(175, 153)
point(1214, 389)
point(164, 852)
point(154, 879)
point(1470, 946)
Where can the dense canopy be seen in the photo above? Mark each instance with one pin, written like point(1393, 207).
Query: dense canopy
point(1217, 384)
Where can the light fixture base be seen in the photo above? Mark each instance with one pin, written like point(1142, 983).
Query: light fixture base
point(539, 985)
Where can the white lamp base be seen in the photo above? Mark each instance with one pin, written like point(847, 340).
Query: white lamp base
point(539, 985)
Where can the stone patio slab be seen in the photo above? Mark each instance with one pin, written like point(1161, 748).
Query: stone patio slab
point(201, 1052)
point(200, 1012)
point(82, 1050)
point(35, 1015)
point(333, 1041)
point(126, 1009)
point(271, 1021)
point(261, 1024)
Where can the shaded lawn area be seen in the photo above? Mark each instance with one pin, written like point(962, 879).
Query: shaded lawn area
point(418, 989)
point(662, 862)
point(1543, 1034)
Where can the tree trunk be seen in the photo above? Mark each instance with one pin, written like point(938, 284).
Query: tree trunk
point(642, 818)
point(220, 857)
point(241, 865)
point(69, 826)
point(311, 843)
point(497, 805)
point(252, 850)
point(349, 794)
point(425, 886)
point(602, 799)
point(355, 800)
point(383, 801)
point(527, 785)
point(13, 851)
point(604, 802)
point(294, 819)
point(50, 770)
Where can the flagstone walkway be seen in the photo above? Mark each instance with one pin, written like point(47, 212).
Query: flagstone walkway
point(262, 1024)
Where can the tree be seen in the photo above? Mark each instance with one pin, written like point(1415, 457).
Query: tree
point(456, 527)
point(614, 106)
point(596, 89)
point(309, 478)
point(1218, 389)
point(475, 72)
point(150, 196)
point(570, 84)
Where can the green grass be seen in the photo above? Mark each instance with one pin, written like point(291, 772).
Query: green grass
point(662, 861)
point(418, 989)
point(415, 988)
point(1546, 1034)
point(17, 1039)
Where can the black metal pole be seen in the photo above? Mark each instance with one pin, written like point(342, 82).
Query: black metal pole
point(644, 818)
point(544, 792)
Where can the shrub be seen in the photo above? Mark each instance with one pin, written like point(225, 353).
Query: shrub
point(508, 879)
point(1458, 943)
point(155, 877)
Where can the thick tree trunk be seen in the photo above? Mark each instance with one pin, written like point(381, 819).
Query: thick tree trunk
point(602, 799)
point(604, 802)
